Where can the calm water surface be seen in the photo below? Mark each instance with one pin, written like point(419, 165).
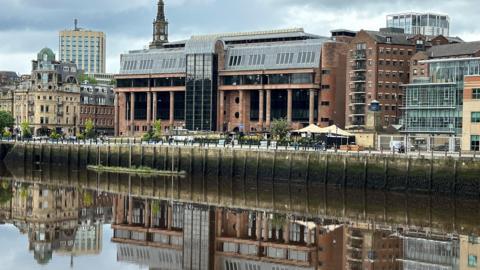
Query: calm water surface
point(53, 218)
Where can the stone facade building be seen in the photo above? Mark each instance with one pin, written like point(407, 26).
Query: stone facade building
point(232, 82)
point(6, 98)
point(50, 101)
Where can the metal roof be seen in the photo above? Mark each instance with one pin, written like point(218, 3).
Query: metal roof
point(278, 55)
point(467, 48)
point(156, 61)
point(302, 53)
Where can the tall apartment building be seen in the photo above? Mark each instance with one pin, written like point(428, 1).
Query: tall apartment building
point(50, 100)
point(85, 48)
point(233, 82)
point(428, 24)
point(377, 65)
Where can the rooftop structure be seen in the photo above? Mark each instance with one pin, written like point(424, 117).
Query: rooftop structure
point(428, 24)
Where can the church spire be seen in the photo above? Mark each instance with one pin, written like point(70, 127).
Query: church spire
point(161, 11)
point(160, 27)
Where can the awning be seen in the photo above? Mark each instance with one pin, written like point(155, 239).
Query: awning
point(334, 130)
point(313, 129)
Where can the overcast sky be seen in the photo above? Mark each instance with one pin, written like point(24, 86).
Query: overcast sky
point(26, 26)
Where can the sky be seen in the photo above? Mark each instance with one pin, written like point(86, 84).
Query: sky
point(26, 26)
point(16, 256)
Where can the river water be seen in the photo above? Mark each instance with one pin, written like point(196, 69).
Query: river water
point(70, 218)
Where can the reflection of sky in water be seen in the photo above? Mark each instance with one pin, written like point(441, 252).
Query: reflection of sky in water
point(14, 254)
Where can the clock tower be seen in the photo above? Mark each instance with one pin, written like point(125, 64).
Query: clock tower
point(160, 28)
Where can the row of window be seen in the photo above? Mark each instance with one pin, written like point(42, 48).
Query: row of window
point(93, 110)
point(286, 58)
point(170, 63)
point(100, 122)
point(301, 78)
point(362, 48)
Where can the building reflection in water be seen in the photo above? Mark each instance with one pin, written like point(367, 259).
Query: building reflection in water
point(66, 221)
point(154, 232)
point(170, 235)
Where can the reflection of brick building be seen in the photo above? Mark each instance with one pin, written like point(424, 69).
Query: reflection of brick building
point(236, 81)
point(180, 233)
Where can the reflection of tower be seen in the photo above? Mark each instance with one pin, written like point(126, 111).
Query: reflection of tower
point(160, 28)
point(197, 237)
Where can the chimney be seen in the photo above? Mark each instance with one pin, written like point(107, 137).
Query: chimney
point(75, 22)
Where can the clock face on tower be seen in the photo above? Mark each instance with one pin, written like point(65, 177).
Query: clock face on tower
point(162, 37)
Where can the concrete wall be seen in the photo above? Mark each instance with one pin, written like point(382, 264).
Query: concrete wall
point(388, 172)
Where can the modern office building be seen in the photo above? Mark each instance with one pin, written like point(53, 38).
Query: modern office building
point(471, 114)
point(50, 100)
point(233, 82)
point(85, 48)
point(428, 24)
point(434, 102)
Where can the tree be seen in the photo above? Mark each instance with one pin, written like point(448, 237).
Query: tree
point(55, 136)
point(26, 132)
point(157, 130)
point(6, 120)
point(5, 192)
point(83, 77)
point(280, 129)
point(89, 129)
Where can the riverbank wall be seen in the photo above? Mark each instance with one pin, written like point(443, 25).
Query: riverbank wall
point(457, 176)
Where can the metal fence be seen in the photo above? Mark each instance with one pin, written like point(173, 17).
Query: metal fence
point(419, 143)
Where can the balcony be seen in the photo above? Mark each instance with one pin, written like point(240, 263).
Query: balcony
point(358, 78)
point(357, 101)
point(358, 123)
point(359, 66)
point(355, 112)
point(360, 55)
point(59, 113)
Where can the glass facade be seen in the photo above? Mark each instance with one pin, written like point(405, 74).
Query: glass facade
point(301, 78)
point(431, 254)
point(201, 92)
point(425, 24)
point(436, 107)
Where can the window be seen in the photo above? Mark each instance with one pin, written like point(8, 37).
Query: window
point(476, 93)
point(475, 145)
point(327, 71)
point(475, 117)
point(472, 261)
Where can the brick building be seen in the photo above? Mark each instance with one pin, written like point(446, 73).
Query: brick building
point(233, 82)
point(377, 64)
point(96, 103)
